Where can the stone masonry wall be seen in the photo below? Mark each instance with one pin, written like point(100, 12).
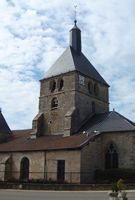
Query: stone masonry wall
point(84, 98)
point(36, 159)
point(72, 165)
point(43, 165)
point(90, 160)
point(125, 144)
point(74, 103)
point(93, 155)
point(55, 117)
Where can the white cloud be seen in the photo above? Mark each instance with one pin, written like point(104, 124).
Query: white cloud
point(34, 33)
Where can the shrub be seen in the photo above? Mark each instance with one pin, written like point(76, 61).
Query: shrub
point(120, 185)
point(112, 175)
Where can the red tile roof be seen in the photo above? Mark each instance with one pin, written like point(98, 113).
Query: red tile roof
point(21, 141)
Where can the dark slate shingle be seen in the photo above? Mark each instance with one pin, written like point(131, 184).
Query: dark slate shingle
point(109, 122)
point(71, 61)
point(4, 128)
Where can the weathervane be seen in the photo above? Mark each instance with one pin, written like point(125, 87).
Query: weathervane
point(75, 21)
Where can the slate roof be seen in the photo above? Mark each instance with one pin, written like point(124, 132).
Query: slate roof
point(71, 61)
point(108, 122)
point(4, 128)
point(21, 142)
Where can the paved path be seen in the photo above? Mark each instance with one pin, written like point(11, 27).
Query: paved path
point(55, 195)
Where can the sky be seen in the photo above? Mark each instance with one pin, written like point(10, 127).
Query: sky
point(34, 33)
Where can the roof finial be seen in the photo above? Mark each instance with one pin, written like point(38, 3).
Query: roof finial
point(75, 20)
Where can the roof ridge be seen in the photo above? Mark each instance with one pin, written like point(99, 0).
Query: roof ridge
point(85, 122)
point(84, 142)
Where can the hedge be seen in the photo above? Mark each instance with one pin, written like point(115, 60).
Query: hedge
point(112, 175)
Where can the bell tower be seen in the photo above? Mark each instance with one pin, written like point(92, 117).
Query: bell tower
point(71, 92)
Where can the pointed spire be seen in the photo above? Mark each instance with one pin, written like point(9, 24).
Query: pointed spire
point(75, 37)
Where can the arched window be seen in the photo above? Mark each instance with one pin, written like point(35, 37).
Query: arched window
point(52, 85)
point(24, 169)
point(60, 84)
point(111, 157)
point(90, 87)
point(93, 107)
point(54, 103)
point(96, 89)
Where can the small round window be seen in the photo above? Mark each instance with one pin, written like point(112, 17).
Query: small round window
point(90, 87)
point(52, 85)
point(60, 84)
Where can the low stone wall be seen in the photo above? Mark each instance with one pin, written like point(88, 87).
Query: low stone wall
point(60, 187)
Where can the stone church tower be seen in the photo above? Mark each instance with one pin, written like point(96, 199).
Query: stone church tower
point(71, 92)
point(73, 121)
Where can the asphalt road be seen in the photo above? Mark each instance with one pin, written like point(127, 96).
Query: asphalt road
point(54, 195)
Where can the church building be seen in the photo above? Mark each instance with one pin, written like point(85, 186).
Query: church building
point(74, 133)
